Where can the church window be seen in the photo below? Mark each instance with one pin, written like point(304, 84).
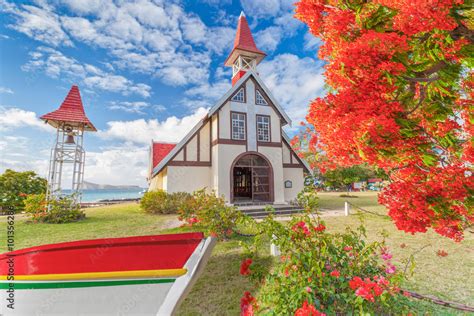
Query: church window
point(259, 99)
point(239, 96)
point(238, 126)
point(263, 128)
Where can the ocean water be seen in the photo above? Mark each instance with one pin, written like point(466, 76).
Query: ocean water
point(118, 194)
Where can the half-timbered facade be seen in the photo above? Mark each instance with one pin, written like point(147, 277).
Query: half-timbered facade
point(239, 150)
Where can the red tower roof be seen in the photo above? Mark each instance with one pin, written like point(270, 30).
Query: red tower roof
point(159, 151)
point(244, 42)
point(70, 112)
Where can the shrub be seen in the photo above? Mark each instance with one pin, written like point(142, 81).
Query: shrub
point(319, 272)
point(160, 202)
point(210, 213)
point(61, 209)
point(16, 186)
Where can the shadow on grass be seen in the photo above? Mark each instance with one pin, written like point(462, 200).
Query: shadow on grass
point(220, 287)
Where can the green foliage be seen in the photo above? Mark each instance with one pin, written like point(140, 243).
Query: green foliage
point(210, 213)
point(343, 177)
point(60, 210)
point(15, 186)
point(160, 202)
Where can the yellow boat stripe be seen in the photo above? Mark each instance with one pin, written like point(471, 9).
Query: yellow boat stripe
point(100, 275)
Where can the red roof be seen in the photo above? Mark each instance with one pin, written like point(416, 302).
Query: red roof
point(70, 111)
point(244, 39)
point(160, 150)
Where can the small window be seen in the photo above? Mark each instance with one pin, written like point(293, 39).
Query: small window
point(259, 99)
point(263, 128)
point(239, 96)
point(238, 126)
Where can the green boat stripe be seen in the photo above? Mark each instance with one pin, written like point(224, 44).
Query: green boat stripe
point(69, 285)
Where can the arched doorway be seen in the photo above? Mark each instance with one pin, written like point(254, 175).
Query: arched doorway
point(251, 179)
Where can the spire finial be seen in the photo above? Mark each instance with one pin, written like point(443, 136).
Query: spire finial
point(242, 14)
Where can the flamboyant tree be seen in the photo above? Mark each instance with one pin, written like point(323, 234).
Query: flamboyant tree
point(400, 77)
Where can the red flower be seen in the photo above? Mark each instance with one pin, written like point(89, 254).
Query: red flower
point(244, 266)
point(22, 194)
point(442, 253)
point(347, 248)
point(368, 289)
point(247, 304)
point(301, 227)
point(335, 273)
point(308, 310)
point(320, 228)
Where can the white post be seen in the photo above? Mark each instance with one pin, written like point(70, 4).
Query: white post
point(346, 208)
point(274, 251)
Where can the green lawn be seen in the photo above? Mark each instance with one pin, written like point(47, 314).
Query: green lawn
point(220, 287)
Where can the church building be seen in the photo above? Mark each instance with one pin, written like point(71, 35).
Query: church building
point(239, 149)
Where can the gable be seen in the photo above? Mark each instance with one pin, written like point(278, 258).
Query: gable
point(185, 151)
point(264, 90)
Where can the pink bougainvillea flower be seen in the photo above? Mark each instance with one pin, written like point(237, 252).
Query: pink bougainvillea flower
point(390, 269)
point(308, 289)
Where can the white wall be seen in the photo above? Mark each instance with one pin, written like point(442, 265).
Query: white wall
point(296, 176)
point(204, 143)
point(188, 179)
point(191, 149)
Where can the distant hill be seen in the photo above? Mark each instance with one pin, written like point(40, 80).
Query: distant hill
point(94, 186)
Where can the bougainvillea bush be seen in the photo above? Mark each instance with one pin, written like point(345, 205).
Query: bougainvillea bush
point(209, 212)
point(320, 273)
point(401, 92)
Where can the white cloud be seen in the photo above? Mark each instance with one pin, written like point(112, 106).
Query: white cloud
point(142, 131)
point(153, 37)
point(39, 23)
point(6, 90)
point(269, 38)
point(264, 8)
point(126, 164)
point(137, 107)
point(311, 42)
point(56, 65)
point(294, 82)
point(15, 118)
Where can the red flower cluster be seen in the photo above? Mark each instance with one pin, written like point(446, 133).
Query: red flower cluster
point(319, 228)
point(247, 304)
point(245, 266)
point(301, 227)
point(368, 289)
point(308, 310)
point(335, 273)
point(400, 117)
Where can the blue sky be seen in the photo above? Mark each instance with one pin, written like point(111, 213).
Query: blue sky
point(146, 69)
